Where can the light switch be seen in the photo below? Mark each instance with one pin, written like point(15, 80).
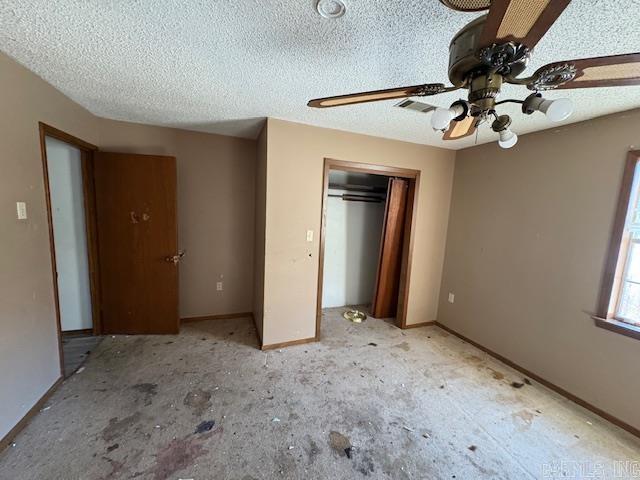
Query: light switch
point(21, 207)
point(309, 235)
point(219, 286)
point(452, 297)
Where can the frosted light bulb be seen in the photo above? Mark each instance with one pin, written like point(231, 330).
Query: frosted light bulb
point(507, 138)
point(441, 118)
point(558, 109)
point(555, 110)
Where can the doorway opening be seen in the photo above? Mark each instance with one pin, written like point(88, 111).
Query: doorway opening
point(67, 165)
point(366, 239)
point(133, 199)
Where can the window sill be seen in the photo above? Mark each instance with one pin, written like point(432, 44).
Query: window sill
point(618, 327)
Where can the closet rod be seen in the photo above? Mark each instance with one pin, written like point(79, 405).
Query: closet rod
point(358, 198)
point(357, 188)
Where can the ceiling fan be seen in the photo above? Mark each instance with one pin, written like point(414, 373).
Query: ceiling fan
point(494, 49)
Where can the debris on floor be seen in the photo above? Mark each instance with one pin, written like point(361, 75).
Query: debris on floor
point(205, 426)
point(371, 344)
point(517, 384)
point(361, 383)
point(341, 444)
point(473, 448)
point(347, 452)
point(527, 381)
point(355, 316)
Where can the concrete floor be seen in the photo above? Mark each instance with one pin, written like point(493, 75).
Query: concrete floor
point(368, 401)
point(75, 350)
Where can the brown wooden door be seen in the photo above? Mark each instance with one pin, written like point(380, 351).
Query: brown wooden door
point(137, 238)
point(385, 296)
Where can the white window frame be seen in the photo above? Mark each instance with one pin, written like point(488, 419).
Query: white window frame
point(631, 227)
point(624, 280)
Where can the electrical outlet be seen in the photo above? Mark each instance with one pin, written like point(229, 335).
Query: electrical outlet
point(219, 286)
point(452, 297)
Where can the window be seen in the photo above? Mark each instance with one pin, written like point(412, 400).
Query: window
point(619, 305)
point(628, 302)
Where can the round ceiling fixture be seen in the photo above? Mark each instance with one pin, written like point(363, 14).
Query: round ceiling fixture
point(331, 8)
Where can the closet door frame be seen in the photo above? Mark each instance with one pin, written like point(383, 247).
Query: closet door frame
point(413, 178)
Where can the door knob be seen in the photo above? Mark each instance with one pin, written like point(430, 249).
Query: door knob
point(175, 258)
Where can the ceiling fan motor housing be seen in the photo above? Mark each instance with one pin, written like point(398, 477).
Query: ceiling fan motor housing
point(484, 89)
point(481, 68)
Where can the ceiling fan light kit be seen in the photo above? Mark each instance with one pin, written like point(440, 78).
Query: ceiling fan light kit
point(495, 49)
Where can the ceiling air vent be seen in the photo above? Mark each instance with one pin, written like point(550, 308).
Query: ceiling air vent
point(415, 106)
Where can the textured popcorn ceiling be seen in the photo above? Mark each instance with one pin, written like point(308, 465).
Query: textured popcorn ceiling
point(223, 65)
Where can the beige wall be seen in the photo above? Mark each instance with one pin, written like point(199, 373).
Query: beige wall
point(216, 208)
point(525, 253)
point(260, 209)
point(28, 346)
point(294, 196)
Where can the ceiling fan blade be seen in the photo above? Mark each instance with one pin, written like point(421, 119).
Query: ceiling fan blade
point(467, 5)
point(377, 95)
point(461, 129)
point(521, 21)
point(611, 71)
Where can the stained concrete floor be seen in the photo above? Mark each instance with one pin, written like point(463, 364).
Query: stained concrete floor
point(75, 350)
point(368, 401)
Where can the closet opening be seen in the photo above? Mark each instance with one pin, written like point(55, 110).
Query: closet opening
point(366, 240)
